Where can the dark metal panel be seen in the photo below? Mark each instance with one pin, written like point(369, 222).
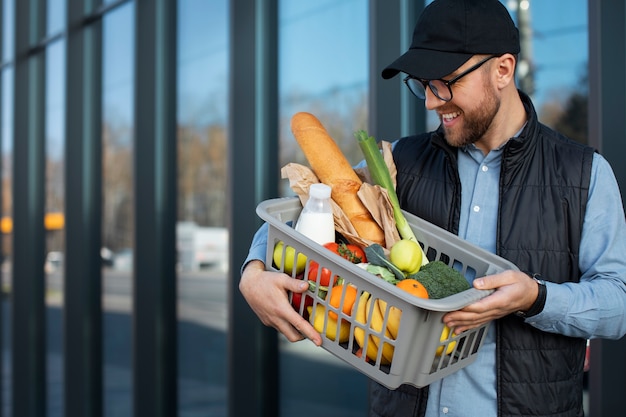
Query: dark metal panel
point(253, 169)
point(393, 111)
point(155, 323)
point(83, 183)
point(266, 108)
point(29, 330)
point(607, 82)
point(607, 132)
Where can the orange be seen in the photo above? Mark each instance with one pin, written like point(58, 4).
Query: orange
point(348, 301)
point(413, 286)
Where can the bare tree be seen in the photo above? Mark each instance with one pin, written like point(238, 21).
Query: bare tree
point(117, 187)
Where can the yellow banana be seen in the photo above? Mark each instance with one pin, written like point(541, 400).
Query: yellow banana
point(393, 324)
point(317, 320)
point(359, 333)
point(444, 336)
point(376, 323)
point(372, 351)
point(393, 321)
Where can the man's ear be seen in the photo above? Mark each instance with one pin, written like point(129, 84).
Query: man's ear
point(505, 70)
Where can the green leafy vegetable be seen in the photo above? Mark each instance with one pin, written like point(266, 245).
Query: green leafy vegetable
point(376, 256)
point(383, 273)
point(440, 280)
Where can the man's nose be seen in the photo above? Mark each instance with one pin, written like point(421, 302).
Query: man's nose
point(431, 101)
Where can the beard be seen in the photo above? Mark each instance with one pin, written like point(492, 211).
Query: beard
point(476, 121)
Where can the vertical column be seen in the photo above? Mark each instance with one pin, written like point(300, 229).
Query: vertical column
point(155, 330)
point(83, 213)
point(29, 330)
point(607, 132)
point(607, 82)
point(393, 111)
point(253, 387)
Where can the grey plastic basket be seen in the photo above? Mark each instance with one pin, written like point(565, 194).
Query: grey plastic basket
point(420, 354)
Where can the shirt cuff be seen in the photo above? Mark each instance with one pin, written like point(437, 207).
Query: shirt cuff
point(556, 305)
point(258, 247)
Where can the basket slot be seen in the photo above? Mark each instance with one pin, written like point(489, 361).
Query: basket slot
point(431, 253)
point(445, 258)
point(469, 273)
point(480, 334)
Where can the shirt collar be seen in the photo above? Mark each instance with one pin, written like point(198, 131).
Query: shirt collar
point(471, 146)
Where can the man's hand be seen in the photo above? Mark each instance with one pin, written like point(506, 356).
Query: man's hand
point(515, 291)
point(267, 294)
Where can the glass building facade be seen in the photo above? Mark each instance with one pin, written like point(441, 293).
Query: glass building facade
point(137, 138)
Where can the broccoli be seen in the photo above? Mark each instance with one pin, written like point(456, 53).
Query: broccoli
point(440, 280)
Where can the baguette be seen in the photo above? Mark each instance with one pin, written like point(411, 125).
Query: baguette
point(333, 169)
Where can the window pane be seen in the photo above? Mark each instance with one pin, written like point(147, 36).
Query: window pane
point(118, 207)
point(8, 28)
point(323, 70)
point(56, 16)
point(54, 209)
point(202, 236)
point(560, 54)
point(6, 135)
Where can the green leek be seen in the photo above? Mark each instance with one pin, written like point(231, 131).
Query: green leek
point(380, 175)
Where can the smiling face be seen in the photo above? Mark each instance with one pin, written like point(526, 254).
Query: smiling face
point(470, 124)
point(470, 115)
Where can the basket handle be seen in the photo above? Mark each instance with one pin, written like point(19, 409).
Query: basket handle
point(455, 301)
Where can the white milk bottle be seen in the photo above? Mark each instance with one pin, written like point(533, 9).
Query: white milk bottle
point(316, 219)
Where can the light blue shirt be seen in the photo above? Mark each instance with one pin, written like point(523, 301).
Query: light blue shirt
point(593, 308)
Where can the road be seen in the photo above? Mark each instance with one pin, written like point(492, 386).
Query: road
point(201, 295)
point(202, 346)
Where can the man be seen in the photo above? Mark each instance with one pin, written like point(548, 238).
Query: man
point(498, 178)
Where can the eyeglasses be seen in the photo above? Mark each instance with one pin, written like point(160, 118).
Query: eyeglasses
point(440, 88)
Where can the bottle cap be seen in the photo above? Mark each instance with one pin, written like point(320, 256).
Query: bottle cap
point(320, 190)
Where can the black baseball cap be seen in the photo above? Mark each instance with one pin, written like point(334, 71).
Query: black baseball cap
point(449, 32)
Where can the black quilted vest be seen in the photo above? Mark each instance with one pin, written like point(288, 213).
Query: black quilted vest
point(544, 183)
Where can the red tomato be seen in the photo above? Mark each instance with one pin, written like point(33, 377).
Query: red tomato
point(324, 275)
point(353, 253)
point(296, 300)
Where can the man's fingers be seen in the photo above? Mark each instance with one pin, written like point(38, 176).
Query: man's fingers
point(296, 327)
point(297, 285)
point(491, 282)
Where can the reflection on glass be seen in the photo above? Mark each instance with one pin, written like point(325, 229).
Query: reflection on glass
point(558, 57)
point(6, 211)
point(54, 209)
point(7, 28)
point(55, 143)
point(202, 236)
point(56, 16)
point(118, 207)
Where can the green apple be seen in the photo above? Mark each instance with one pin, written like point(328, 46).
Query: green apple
point(290, 259)
point(406, 255)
